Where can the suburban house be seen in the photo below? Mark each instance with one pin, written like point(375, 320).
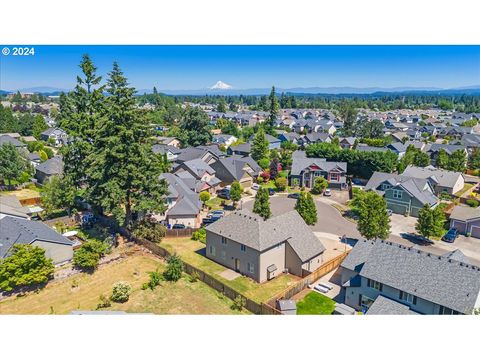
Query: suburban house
point(273, 142)
point(183, 204)
point(235, 168)
point(169, 141)
point(263, 249)
point(192, 153)
point(16, 230)
point(381, 277)
point(224, 139)
point(240, 149)
point(200, 173)
point(314, 137)
point(58, 136)
point(290, 137)
point(7, 139)
point(441, 180)
point(171, 151)
point(404, 195)
point(11, 206)
point(347, 142)
point(466, 220)
point(305, 170)
point(49, 168)
point(433, 149)
point(398, 148)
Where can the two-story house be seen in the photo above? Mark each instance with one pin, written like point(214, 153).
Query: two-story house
point(263, 249)
point(305, 170)
point(381, 277)
point(404, 195)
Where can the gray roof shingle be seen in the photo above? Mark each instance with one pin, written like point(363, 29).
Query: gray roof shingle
point(251, 230)
point(385, 306)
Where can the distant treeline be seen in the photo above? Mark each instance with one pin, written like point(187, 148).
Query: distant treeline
point(382, 102)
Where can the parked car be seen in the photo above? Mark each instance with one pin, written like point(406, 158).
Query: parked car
point(327, 192)
point(224, 194)
point(271, 191)
point(450, 236)
point(211, 219)
point(294, 195)
point(179, 226)
point(216, 213)
point(255, 187)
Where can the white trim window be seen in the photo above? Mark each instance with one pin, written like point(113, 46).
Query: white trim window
point(407, 297)
point(243, 248)
point(334, 176)
point(374, 284)
point(250, 268)
point(212, 250)
point(397, 194)
point(386, 186)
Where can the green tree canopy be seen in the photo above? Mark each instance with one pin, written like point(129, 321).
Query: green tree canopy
point(262, 203)
point(12, 164)
point(430, 221)
point(305, 206)
point(373, 219)
point(235, 192)
point(58, 193)
point(260, 145)
point(194, 127)
point(26, 266)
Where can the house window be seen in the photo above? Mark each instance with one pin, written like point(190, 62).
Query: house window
point(243, 248)
point(386, 186)
point(223, 254)
point(397, 194)
point(409, 298)
point(224, 241)
point(365, 302)
point(375, 285)
point(317, 173)
point(334, 176)
point(212, 250)
point(251, 268)
point(447, 311)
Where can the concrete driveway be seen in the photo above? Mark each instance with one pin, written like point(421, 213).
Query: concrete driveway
point(401, 224)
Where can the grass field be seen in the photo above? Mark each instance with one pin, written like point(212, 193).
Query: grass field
point(82, 292)
point(216, 203)
point(191, 252)
point(315, 304)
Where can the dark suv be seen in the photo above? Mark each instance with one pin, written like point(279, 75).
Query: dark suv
point(450, 236)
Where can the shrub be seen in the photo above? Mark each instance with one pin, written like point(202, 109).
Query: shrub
point(149, 230)
point(174, 268)
point(104, 302)
point(194, 276)
point(121, 292)
point(239, 303)
point(154, 281)
point(319, 185)
point(204, 196)
point(199, 235)
point(472, 202)
point(264, 163)
point(265, 175)
point(281, 183)
point(89, 254)
point(259, 180)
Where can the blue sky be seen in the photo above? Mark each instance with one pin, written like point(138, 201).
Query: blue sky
point(246, 67)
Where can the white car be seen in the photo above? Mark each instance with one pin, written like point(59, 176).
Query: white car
point(255, 187)
point(327, 192)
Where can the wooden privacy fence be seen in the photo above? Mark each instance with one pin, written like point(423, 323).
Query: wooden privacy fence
point(179, 232)
point(294, 289)
point(251, 305)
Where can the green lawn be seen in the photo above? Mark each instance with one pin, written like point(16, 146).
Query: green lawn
point(192, 252)
point(315, 304)
point(465, 188)
point(216, 203)
point(82, 292)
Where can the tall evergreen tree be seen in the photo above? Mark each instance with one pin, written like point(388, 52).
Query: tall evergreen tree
point(457, 161)
point(305, 206)
point(80, 110)
point(123, 168)
point(273, 108)
point(349, 115)
point(12, 164)
point(262, 203)
point(260, 145)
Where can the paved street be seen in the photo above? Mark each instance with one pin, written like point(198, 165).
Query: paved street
point(331, 221)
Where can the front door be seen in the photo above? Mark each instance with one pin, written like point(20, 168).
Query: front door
point(237, 265)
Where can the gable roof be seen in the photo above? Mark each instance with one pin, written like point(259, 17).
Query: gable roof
point(253, 231)
point(22, 231)
point(465, 213)
point(443, 178)
point(53, 166)
point(198, 167)
point(10, 205)
point(439, 279)
point(187, 201)
point(385, 306)
point(301, 162)
point(7, 139)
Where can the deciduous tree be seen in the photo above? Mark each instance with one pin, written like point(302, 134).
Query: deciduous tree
point(373, 219)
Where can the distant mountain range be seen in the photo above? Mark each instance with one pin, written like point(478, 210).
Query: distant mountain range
point(221, 88)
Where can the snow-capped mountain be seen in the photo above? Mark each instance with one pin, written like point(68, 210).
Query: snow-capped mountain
point(220, 85)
